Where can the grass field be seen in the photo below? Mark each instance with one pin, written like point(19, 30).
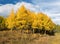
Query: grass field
point(15, 37)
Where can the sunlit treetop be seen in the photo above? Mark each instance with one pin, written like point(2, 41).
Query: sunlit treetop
point(22, 9)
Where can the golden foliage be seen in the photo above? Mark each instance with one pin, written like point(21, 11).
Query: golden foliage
point(26, 19)
point(10, 21)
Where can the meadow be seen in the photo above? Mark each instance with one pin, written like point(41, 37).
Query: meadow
point(15, 37)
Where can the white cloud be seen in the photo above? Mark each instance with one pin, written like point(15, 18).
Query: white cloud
point(52, 9)
point(5, 9)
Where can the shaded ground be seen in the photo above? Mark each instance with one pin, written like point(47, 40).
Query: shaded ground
point(15, 37)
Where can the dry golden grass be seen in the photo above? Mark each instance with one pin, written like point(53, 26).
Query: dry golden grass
point(56, 39)
point(15, 37)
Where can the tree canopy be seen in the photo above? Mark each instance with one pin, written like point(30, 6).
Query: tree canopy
point(26, 19)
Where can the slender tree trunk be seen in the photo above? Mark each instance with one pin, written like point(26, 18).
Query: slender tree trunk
point(33, 30)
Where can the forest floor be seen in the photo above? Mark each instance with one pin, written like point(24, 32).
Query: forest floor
point(15, 37)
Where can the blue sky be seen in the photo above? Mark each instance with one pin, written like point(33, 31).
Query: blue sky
point(13, 1)
point(49, 7)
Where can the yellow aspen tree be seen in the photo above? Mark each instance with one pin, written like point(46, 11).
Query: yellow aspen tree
point(21, 17)
point(24, 18)
point(10, 20)
point(46, 21)
point(30, 18)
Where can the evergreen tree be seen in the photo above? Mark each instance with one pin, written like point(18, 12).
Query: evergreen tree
point(2, 23)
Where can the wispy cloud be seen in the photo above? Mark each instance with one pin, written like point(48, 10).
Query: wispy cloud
point(51, 8)
point(5, 9)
